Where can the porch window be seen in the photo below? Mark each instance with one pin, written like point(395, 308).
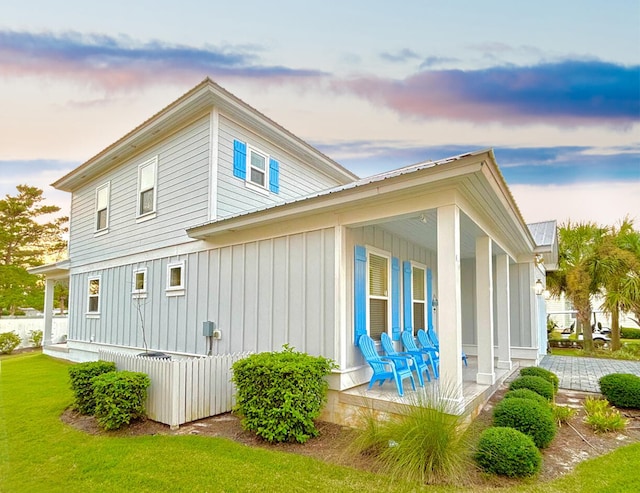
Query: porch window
point(147, 185)
point(175, 279)
point(418, 298)
point(378, 295)
point(139, 283)
point(93, 300)
point(102, 208)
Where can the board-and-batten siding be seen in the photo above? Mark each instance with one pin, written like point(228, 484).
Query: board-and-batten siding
point(261, 295)
point(297, 179)
point(396, 246)
point(182, 200)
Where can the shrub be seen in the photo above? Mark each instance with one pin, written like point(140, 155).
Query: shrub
point(81, 376)
point(8, 342)
point(526, 416)
point(508, 452)
point(537, 384)
point(279, 394)
point(35, 338)
point(119, 397)
point(562, 414)
point(602, 417)
point(629, 333)
point(621, 389)
point(526, 394)
point(537, 371)
point(424, 443)
point(629, 351)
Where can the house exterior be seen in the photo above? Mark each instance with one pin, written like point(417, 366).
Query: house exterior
point(211, 212)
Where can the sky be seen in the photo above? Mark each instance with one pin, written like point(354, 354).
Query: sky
point(553, 87)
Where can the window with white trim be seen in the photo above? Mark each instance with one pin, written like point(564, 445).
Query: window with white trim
point(175, 278)
point(259, 171)
point(93, 295)
point(257, 167)
point(139, 283)
point(378, 295)
point(147, 188)
point(102, 208)
point(418, 298)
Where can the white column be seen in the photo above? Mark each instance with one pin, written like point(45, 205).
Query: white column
point(503, 312)
point(449, 303)
point(484, 311)
point(49, 285)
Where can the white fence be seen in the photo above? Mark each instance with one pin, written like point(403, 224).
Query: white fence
point(23, 326)
point(183, 390)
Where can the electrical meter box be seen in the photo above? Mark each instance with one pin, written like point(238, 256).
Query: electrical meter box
point(208, 328)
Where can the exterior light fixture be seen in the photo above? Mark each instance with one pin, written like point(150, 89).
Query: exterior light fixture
point(539, 287)
point(434, 302)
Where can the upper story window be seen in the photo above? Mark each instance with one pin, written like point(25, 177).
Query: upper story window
point(93, 296)
point(147, 188)
point(260, 172)
point(175, 279)
point(102, 208)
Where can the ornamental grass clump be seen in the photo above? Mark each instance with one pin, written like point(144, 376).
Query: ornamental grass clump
point(81, 379)
point(119, 398)
point(537, 384)
point(508, 452)
point(621, 389)
point(527, 416)
point(602, 417)
point(537, 371)
point(280, 394)
point(425, 442)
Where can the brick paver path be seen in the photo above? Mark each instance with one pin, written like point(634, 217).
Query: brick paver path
point(583, 373)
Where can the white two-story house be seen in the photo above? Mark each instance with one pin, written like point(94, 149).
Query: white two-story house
point(211, 212)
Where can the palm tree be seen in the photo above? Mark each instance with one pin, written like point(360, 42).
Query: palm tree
point(576, 275)
point(617, 265)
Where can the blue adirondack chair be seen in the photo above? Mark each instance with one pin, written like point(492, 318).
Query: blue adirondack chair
point(431, 354)
point(384, 368)
point(433, 337)
point(417, 363)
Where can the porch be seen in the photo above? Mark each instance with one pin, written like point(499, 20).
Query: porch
point(346, 407)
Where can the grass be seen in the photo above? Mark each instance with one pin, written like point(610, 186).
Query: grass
point(40, 453)
point(631, 354)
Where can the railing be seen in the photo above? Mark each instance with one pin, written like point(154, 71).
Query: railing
point(182, 390)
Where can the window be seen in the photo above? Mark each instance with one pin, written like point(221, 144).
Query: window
point(93, 301)
point(102, 208)
point(260, 172)
point(147, 185)
point(139, 283)
point(378, 295)
point(418, 298)
point(175, 279)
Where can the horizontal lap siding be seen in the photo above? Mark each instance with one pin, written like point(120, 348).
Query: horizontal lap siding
point(182, 200)
point(297, 179)
point(261, 295)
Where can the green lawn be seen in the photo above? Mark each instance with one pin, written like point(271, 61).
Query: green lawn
point(40, 453)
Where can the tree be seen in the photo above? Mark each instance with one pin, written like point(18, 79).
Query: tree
point(617, 265)
point(25, 242)
point(576, 276)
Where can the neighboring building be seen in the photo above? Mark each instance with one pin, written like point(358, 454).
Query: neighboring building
point(210, 211)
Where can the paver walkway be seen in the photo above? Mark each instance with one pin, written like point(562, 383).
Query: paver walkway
point(583, 373)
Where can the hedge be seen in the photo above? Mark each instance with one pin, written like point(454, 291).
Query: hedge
point(621, 389)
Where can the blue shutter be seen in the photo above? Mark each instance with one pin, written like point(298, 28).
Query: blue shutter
point(429, 299)
point(240, 159)
point(408, 302)
point(274, 176)
point(360, 292)
point(395, 298)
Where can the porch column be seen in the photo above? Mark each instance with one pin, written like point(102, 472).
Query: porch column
point(484, 311)
point(49, 285)
point(449, 303)
point(503, 312)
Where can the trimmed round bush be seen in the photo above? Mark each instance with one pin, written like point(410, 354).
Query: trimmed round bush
point(537, 384)
point(508, 452)
point(526, 394)
point(119, 397)
point(527, 416)
point(621, 389)
point(537, 371)
point(81, 377)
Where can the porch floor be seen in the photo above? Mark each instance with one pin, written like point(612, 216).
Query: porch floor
point(343, 407)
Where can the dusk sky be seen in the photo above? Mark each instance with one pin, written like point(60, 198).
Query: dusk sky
point(552, 86)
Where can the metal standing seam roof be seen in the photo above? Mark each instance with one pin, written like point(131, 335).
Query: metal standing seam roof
point(544, 233)
point(355, 184)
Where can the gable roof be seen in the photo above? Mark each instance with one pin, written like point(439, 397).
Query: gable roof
point(195, 103)
point(545, 234)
